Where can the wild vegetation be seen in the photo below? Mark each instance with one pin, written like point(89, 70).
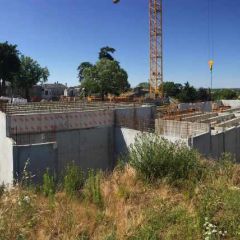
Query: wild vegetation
point(164, 191)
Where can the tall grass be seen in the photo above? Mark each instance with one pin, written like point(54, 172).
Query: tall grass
point(122, 205)
point(73, 180)
point(92, 188)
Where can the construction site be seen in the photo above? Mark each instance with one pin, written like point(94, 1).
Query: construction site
point(51, 135)
point(94, 135)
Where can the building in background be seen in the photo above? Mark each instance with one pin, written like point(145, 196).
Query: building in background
point(52, 91)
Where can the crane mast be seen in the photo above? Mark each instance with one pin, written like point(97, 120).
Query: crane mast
point(156, 48)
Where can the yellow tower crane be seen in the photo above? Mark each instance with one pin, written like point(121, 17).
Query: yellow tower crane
point(156, 48)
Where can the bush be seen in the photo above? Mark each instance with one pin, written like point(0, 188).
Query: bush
point(155, 158)
point(73, 180)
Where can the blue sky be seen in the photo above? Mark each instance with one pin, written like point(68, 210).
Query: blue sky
point(60, 34)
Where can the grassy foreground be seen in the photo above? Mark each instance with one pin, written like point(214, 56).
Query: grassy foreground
point(165, 192)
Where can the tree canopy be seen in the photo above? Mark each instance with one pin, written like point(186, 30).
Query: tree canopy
point(171, 89)
point(105, 52)
point(143, 85)
point(9, 63)
point(186, 92)
point(227, 94)
point(105, 76)
point(81, 68)
point(30, 74)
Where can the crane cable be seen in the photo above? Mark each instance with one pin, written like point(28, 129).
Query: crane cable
point(210, 40)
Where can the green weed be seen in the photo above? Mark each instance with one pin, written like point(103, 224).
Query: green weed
point(92, 189)
point(73, 180)
point(48, 184)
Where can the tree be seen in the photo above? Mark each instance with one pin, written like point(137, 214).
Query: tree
point(30, 74)
point(171, 89)
point(203, 94)
point(106, 76)
point(81, 68)
point(9, 64)
point(143, 85)
point(187, 94)
point(105, 52)
point(227, 94)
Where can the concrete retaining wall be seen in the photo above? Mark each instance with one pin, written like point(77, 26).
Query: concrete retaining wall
point(6, 153)
point(88, 148)
point(37, 159)
point(216, 144)
point(202, 143)
point(124, 137)
point(231, 103)
point(232, 142)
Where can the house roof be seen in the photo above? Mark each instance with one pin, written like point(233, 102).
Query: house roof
point(54, 85)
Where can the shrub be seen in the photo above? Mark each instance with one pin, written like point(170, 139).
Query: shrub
point(155, 158)
point(73, 180)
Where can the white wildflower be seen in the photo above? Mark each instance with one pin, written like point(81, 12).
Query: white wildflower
point(26, 199)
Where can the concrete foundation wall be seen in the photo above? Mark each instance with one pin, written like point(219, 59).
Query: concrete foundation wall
point(124, 137)
point(231, 103)
point(6, 153)
point(202, 143)
point(215, 145)
point(232, 142)
point(37, 159)
point(89, 148)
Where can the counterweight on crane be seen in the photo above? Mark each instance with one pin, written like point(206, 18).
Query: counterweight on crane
point(156, 48)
